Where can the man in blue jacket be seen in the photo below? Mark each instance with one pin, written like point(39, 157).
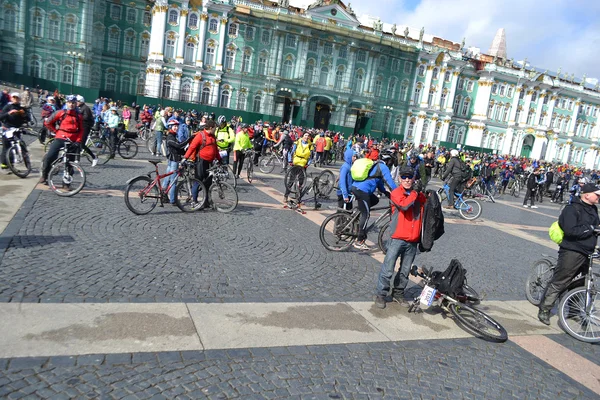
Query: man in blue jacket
point(346, 181)
point(379, 176)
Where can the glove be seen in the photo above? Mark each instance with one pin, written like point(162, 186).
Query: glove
point(596, 230)
point(418, 186)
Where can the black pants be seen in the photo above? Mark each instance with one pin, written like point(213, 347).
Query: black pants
point(342, 204)
point(558, 194)
point(529, 195)
point(238, 163)
point(52, 155)
point(113, 142)
point(454, 186)
point(365, 202)
point(86, 133)
point(5, 146)
point(202, 175)
point(567, 267)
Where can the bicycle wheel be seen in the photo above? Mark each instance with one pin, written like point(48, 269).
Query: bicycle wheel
point(190, 195)
point(469, 294)
point(293, 175)
point(151, 143)
point(18, 161)
point(47, 144)
point(127, 148)
point(267, 164)
point(469, 209)
point(32, 120)
point(101, 150)
point(383, 237)
point(538, 280)
point(231, 176)
point(140, 196)
point(442, 195)
point(579, 314)
point(338, 231)
point(478, 323)
point(325, 183)
point(250, 171)
point(223, 196)
point(66, 179)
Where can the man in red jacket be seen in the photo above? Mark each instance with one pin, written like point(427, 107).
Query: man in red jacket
point(407, 218)
point(68, 126)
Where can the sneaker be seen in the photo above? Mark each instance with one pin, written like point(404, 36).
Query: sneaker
point(398, 297)
point(534, 206)
point(449, 207)
point(95, 162)
point(43, 181)
point(3, 166)
point(525, 205)
point(544, 317)
point(380, 302)
point(361, 246)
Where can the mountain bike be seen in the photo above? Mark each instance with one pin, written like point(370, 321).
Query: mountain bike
point(221, 195)
point(143, 192)
point(249, 161)
point(469, 209)
point(66, 177)
point(268, 163)
point(461, 306)
point(339, 230)
point(17, 154)
point(321, 186)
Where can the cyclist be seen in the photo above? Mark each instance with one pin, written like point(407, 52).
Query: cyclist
point(487, 175)
point(345, 180)
point(27, 102)
point(453, 170)
point(242, 143)
point(175, 149)
point(506, 176)
point(225, 136)
point(364, 192)
point(541, 183)
point(13, 115)
point(112, 122)
point(415, 163)
point(88, 122)
point(70, 126)
point(407, 203)
point(299, 155)
point(580, 223)
point(286, 143)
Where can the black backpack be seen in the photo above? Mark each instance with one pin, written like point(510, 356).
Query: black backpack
point(450, 281)
point(466, 172)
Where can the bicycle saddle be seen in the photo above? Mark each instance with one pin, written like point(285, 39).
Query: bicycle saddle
point(155, 162)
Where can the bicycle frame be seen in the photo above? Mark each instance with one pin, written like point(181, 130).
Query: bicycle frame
point(459, 203)
point(355, 214)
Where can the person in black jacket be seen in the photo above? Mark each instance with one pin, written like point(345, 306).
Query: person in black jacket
point(175, 151)
point(13, 115)
point(532, 185)
point(88, 122)
point(580, 223)
point(453, 170)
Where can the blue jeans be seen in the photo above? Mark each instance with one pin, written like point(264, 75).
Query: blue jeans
point(171, 166)
point(159, 136)
point(396, 248)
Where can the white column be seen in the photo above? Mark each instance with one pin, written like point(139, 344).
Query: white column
point(159, 21)
point(181, 40)
point(176, 85)
point(22, 18)
point(538, 144)
point(482, 100)
point(20, 50)
point(450, 98)
point(196, 89)
point(515, 105)
point(301, 61)
point(526, 106)
point(82, 71)
point(418, 133)
point(550, 110)
point(427, 86)
point(273, 54)
point(279, 59)
point(431, 130)
point(538, 110)
point(350, 70)
point(508, 136)
point(439, 88)
point(152, 87)
point(445, 127)
point(590, 157)
point(568, 147)
point(87, 19)
point(574, 118)
point(221, 48)
point(201, 38)
point(475, 134)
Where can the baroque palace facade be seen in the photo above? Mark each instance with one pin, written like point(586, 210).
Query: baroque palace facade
point(322, 67)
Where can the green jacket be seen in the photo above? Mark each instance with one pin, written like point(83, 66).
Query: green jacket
point(242, 141)
point(225, 137)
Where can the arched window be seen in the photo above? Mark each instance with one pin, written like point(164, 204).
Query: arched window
point(224, 98)
point(246, 61)
point(378, 84)
point(451, 134)
point(190, 48)
point(71, 29)
point(37, 22)
point(233, 30)
point(421, 70)
point(51, 72)
point(397, 126)
point(213, 25)
point(417, 94)
point(128, 42)
point(186, 92)
point(430, 97)
point(229, 59)
point(249, 33)
point(262, 64)
point(205, 98)
point(170, 47)
point(461, 84)
point(436, 132)
point(54, 26)
point(131, 15)
point(506, 112)
point(193, 21)
point(358, 82)
point(456, 106)
point(465, 107)
point(95, 80)
point(256, 103)
point(324, 77)
point(361, 56)
point(533, 96)
point(144, 46)
point(173, 16)
point(339, 76)
point(126, 84)
point(391, 93)
point(10, 19)
point(403, 90)
point(287, 69)
point(166, 89)
point(425, 131)
point(443, 98)
point(495, 88)
point(436, 73)
point(328, 49)
point(110, 81)
point(113, 40)
point(147, 18)
point(141, 83)
point(35, 69)
point(461, 134)
point(210, 56)
point(241, 101)
point(67, 74)
point(308, 74)
point(411, 129)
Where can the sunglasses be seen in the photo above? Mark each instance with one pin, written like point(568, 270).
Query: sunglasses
point(404, 177)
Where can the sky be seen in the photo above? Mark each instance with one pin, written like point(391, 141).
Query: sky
point(551, 34)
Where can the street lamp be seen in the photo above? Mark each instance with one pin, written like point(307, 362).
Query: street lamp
point(161, 89)
point(386, 119)
point(75, 56)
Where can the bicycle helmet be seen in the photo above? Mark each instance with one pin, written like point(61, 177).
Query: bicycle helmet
point(71, 98)
point(242, 126)
point(80, 99)
point(172, 122)
point(221, 119)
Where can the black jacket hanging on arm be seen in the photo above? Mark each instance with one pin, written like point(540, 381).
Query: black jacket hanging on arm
point(433, 222)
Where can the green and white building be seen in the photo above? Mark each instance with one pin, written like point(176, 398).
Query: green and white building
point(321, 66)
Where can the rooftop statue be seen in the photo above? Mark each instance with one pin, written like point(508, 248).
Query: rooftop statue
point(406, 32)
point(394, 29)
point(421, 34)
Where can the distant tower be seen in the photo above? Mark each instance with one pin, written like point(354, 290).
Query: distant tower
point(498, 48)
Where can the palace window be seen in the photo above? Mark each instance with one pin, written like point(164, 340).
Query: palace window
point(166, 89)
point(411, 129)
point(233, 30)
point(546, 99)
point(265, 36)
point(128, 43)
point(309, 74)
point(465, 107)
point(37, 23)
point(382, 62)
point(256, 103)
point(113, 40)
point(451, 134)
point(290, 41)
point(339, 76)
point(407, 67)
point(35, 69)
point(378, 84)
point(193, 21)
point(456, 106)
point(425, 130)
point(397, 126)
point(205, 98)
point(262, 64)
point(328, 49)
point(67, 75)
point(436, 132)
point(186, 92)
point(241, 101)
point(490, 110)
point(502, 90)
point(443, 100)
point(131, 15)
point(54, 27)
point(391, 93)
point(224, 99)
point(287, 69)
point(533, 96)
point(249, 33)
point(461, 133)
point(461, 84)
point(470, 86)
point(126, 84)
point(140, 86)
point(361, 56)
point(395, 65)
point(509, 92)
point(10, 19)
point(210, 56)
point(170, 48)
point(447, 76)
point(312, 45)
point(246, 62)
point(436, 73)
point(115, 12)
point(173, 16)
point(506, 112)
point(495, 88)
point(110, 81)
point(147, 20)
point(430, 98)
point(190, 48)
point(530, 116)
point(421, 70)
point(229, 59)
point(213, 25)
point(343, 52)
point(518, 115)
point(324, 77)
point(144, 46)
point(417, 94)
point(70, 31)
point(358, 82)
point(403, 90)
point(522, 94)
point(72, 3)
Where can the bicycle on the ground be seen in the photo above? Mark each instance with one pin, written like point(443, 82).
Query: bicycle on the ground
point(143, 192)
point(461, 306)
point(66, 177)
point(17, 154)
point(469, 209)
point(340, 230)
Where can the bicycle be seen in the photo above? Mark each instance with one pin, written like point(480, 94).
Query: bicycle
point(31, 119)
point(66, 177)
point(469, 318)
point(476, 188)
point(268, 163)
point(469, 209)
point(579, 308)
point(17, 154)
point(514, 187)
point(249, 161)
point(339, 230)
point(222, 196)
point(143, 192)
point(321, 186)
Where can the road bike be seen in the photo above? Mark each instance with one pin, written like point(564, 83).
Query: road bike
point(461, 306)
point(17, 154)
point(340, 230)
point(143, 193)
point(66, 177)
point(469, 209)
point(143, 130)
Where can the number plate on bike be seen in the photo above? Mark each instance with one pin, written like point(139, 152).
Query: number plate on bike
point(427, 295)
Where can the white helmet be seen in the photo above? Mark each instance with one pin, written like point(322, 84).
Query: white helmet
point(454, 153)
point(221, 119)
point(80, 98)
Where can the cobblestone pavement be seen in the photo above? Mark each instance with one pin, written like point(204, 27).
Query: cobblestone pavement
point(463, 368)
